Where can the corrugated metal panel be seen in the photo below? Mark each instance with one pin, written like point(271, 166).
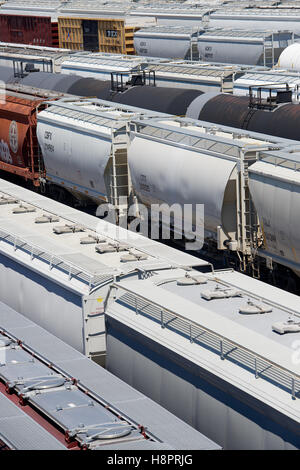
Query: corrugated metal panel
point(38, 339)
point(100, 382)
point(7, 408)
point(96, 34)
point(20, 431)
point(27, 30)
point(70, 33)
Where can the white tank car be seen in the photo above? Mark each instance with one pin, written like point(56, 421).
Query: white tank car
point(290, 58)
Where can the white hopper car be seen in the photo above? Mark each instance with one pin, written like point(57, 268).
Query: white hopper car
point(162, 159)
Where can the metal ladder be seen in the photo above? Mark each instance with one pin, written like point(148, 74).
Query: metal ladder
point(248, 117)
point(247, 223)
point(194, 51)
point(119, 179)
point(268, 51)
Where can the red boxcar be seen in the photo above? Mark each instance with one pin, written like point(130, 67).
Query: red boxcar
point(35, 30)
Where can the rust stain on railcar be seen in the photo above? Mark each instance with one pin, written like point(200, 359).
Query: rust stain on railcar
point(18, 142)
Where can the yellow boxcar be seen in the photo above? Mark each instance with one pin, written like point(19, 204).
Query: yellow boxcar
point(96, 35)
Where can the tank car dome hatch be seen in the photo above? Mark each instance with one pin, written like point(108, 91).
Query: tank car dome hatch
point(253, 308)
point(289, 326)
point(170, 101)
point(290, 58)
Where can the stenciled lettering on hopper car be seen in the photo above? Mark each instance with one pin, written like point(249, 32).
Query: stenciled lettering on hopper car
point(48, 147)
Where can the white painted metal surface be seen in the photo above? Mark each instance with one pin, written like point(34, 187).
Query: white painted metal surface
point(20, 432)
point(78, 159)
point(188, 162)
point(100, 65)
point(33, 7)
point(197, 75)
point(46, 59)
point(80, 142)
point(170, 14)
point(226, 365)
point(257, 19)
point(96, 400)
point(290, 58)
point(60, 282)
point(274, 185)
point(275, 78)
point(163, 41)
point(238, 46)
point(165, 174)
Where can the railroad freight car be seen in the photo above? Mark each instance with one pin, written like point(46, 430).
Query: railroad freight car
point(231, 223)
point(258, 19)
point(61, 261)
point(36, 30)
point(233, 46)
point(19, 152)
point(101, 65)
point(212, 341)
point(61, 388)
point(202, 76)
point(237, 46)
point(290, 58)
point(178, 42)
point(65, 132)
point(138, 91)
point(186, 162)
point(168, 73)
point(172, 14)
point(268, 110)
point(274, 182)
point(264, 79)
point(71, 84)
point(25, 58)
point(96, 34)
